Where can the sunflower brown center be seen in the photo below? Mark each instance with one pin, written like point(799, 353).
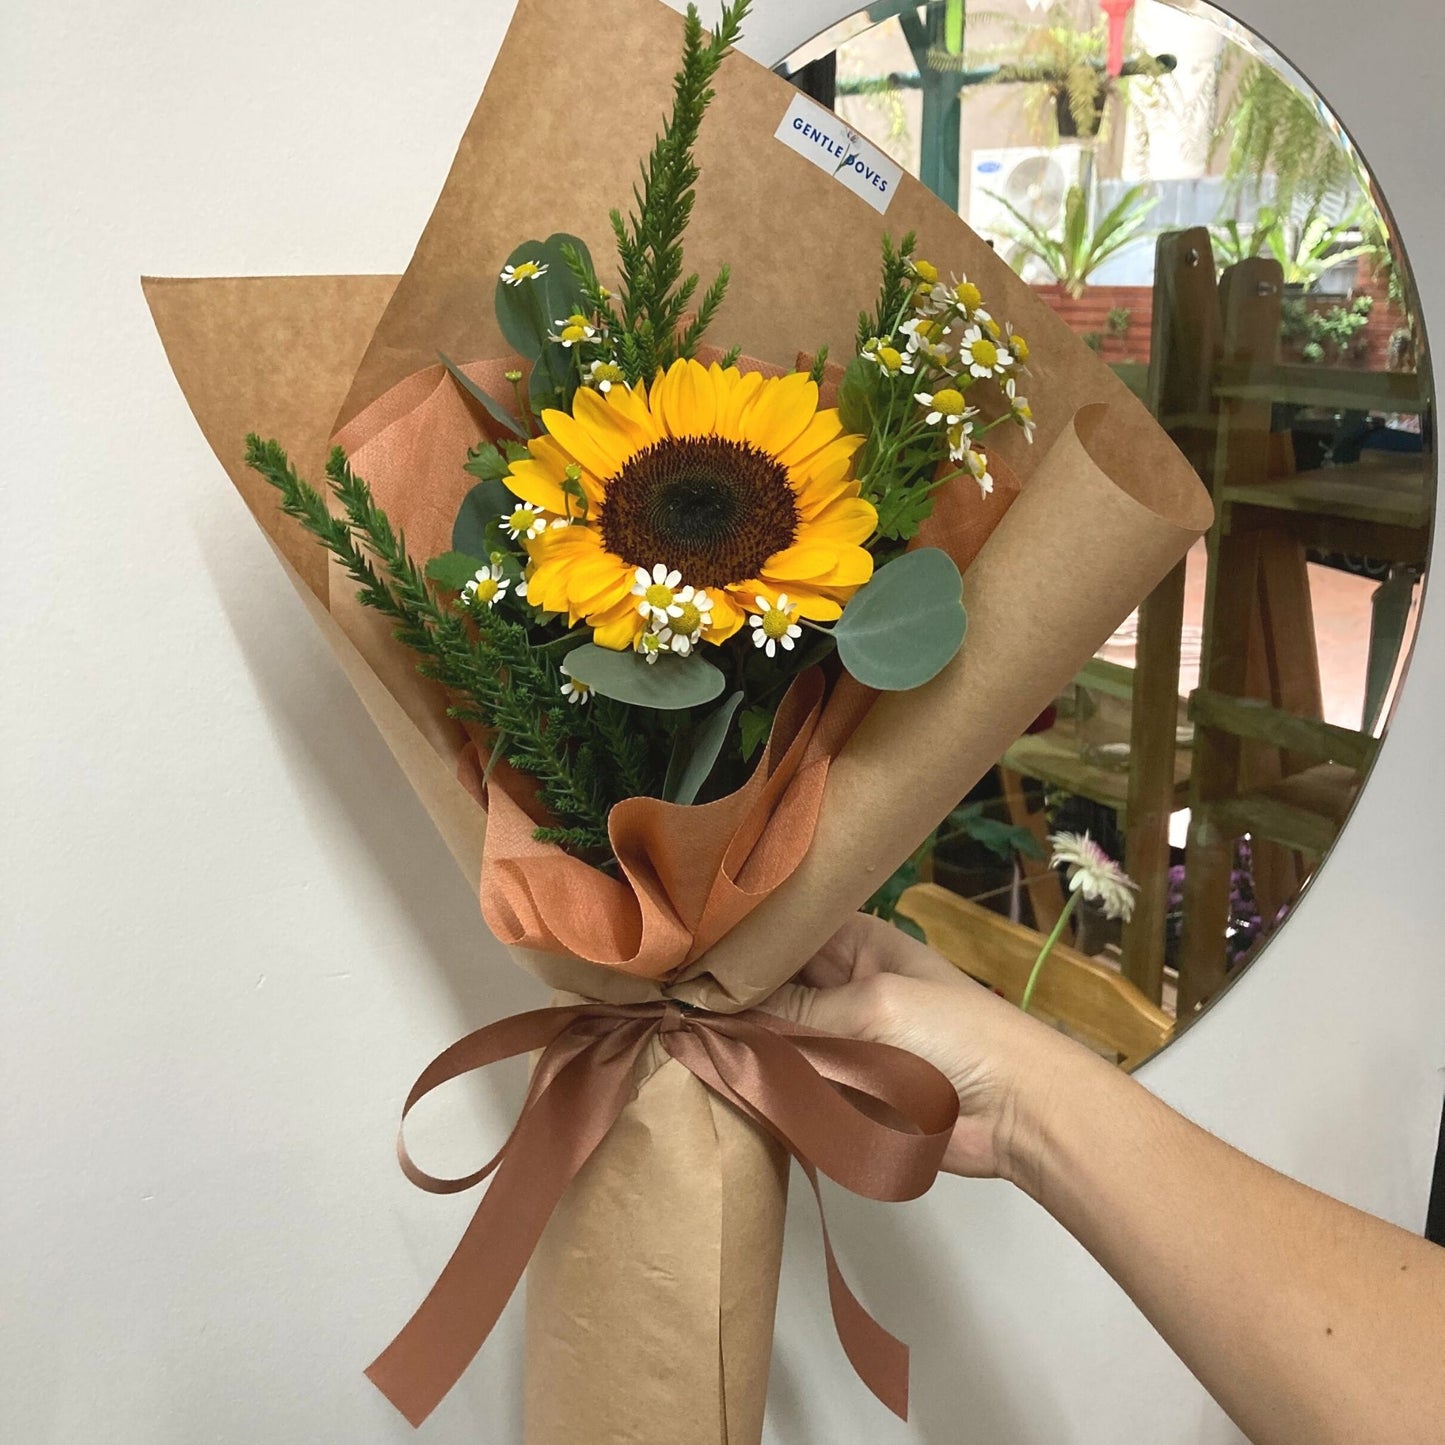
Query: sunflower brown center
point(714, 509)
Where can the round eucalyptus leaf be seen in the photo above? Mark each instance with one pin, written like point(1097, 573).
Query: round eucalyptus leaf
point(906, 625)
point(669, 683)
point(528, 311)
point(485, 501)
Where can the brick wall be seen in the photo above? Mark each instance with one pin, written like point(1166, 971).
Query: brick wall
point(1090, 313)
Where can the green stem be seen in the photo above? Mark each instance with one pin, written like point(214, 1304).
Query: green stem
point(1047, 949)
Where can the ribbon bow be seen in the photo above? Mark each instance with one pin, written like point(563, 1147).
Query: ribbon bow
point(790, 1080)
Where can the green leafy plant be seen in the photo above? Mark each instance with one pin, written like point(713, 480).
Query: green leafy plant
point(1322, 333)
point(1316, 244)
point(1119, 320)
point(1073, 253)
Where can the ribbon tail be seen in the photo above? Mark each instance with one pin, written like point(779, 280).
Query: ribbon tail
point(555, 1137)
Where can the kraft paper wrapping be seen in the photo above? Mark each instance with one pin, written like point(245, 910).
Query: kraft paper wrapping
point(650, 1299)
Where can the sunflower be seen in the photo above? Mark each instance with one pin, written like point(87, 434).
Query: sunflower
point(712, 481)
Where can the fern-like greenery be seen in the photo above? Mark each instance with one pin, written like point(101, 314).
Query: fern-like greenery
point(1275, 130)
point(654, 294)
point(498, 679)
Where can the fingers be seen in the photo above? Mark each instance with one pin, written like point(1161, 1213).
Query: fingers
point(866, 946)
point(849, 1010)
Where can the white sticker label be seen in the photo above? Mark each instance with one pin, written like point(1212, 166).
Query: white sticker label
point(825, 140)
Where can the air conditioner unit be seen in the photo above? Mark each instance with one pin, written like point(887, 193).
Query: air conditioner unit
point(1034, 180)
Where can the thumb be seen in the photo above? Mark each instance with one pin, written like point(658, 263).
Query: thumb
point(847, 1010)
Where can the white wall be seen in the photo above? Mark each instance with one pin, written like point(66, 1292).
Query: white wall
point(230, 938)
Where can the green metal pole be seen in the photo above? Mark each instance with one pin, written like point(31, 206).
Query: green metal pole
point(942, 108)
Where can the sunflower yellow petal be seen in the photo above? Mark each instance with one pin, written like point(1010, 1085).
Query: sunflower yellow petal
point(734, 403)
point(849, 520)
point(779, 414)
point(823, 429)
point(802, 562)
point(727, 617)
point(686, 399)
point(599, 444)
point(617, 627)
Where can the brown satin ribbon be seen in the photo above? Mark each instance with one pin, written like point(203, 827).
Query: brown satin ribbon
point(792, 1081)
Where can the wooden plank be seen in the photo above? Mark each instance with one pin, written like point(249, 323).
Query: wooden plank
point(1394, 494)
point(1406, 546)
point(1046, 891)
point(1090, 999)
point(1248, 717)
point(1331, 388)
point(1053, 756)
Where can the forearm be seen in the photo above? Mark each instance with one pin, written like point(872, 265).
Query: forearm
point(1310, 1322)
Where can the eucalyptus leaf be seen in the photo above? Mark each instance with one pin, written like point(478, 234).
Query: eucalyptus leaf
point(554, 380)
point(529, 311)
point(488, 402)
point(694, 754)
point(454, 569)
point(485, 502)
point(906, 625)
point(670, 683)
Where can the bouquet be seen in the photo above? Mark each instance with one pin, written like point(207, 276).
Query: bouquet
point(687, 605)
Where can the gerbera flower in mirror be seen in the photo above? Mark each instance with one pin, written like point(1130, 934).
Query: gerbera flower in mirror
point(710, 480)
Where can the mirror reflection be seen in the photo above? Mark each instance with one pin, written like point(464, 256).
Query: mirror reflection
point(1195, 213)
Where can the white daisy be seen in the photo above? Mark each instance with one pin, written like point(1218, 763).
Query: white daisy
point(1020, 409)
point(487, 588)
point(604, 375)
point(888, 359)
point(659, 593)
point(773, 625)
point(981, 354)
point(977, 463)
point(649, 644)
point(576, 692)
point(925, 339)
point(1093, 873)
point(946, 406)
point(694, 617)
point(573, 330)
point(524, 271)
point(525, 522)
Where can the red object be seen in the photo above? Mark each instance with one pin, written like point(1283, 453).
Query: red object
point(1117, 12)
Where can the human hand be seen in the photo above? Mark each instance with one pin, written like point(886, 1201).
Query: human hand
point(871, 981)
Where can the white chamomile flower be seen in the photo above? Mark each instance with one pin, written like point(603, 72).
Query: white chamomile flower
point(925, 273)
point(1018, 347)
point(659, 593)
point(487, 588)
point(1093, 873)
point(963, 298)
point(649, 644)
point(693, 618)
point(946, 406)
point(573, 330)
point(603, 376)
point(773, 625)
point(525, 522)
point(524, 271)
point(977, 464)
point(576, 692)
point(926, 339)
point(981, 354)
point(1020, 409)
point(887, 357)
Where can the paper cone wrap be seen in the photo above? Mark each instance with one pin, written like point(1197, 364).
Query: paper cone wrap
point(650, 1298)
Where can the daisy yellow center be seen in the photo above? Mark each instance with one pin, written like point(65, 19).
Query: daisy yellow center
point(486, 590)
point(1021, 348)
point(607, 371)
point(658, 597)
point(984, 352)
point(969, 295)
point(574, 332)
point(925, 271)
point(890, 357)
point(520, 520)
point(948, 401)
point(776, 623)
point(713, 509)
point(525, 270)
point(688, 620)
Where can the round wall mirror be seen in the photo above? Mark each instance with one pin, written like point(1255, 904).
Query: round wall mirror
point(1196, 214)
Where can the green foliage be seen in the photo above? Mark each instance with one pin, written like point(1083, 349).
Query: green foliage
point(1320, 333)
point(906, 625)
point(893, 293)
point(493, 408)
point(453, 570)
point(655, 295)
point(529, 311)
point(1317, 244)
point(696, 751)
point(1275, 130)
point(670, 684)
point(1079, 248)
point(499, 679)
point(1003, 840)
point(1119, 320)
point(754, 725)
point(474, 530)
